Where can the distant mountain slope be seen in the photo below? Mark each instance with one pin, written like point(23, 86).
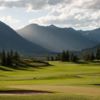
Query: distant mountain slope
point(9, 39)
point(93, 34)
point(55, 38)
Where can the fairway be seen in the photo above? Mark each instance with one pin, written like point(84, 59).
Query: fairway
point(61, 78)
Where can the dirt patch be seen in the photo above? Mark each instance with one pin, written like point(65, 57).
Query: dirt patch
point(90, 91)
point(23, 92)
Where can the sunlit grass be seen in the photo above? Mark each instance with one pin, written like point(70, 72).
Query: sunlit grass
point(69, 73)
point(59, 74)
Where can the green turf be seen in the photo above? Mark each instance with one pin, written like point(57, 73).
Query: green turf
point(61, 74)
point(57, 74)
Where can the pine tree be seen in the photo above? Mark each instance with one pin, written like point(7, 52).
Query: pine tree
point(74, 58)
point(9, 60)
point(98, 54)
point(92, 56)
point(11, 54)
point(67, 56)
point(63, 56)
point(16, 58)
point(52, 58)
point(3, 58)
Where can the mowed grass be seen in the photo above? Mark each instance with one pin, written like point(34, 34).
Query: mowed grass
point(58, 74)
point(63, 78)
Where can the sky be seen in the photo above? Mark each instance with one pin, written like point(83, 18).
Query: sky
point(79, 14)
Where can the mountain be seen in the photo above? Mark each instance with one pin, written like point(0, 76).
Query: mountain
point(55, 38)
point(93, 34)
point(10, 39)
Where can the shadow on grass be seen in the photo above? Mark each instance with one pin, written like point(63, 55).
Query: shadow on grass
point(26, 66)
point(89, 62)
point(4, 69)
point(24, 92)
point(96, 84)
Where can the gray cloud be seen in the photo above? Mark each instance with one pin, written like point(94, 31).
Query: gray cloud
point(55, 2)
point(92, 4)
point(80, 13)
point(95, 5)
point(35, 4)
point(39, 4)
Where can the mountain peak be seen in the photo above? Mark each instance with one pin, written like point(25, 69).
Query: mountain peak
point(52, 25)
point(56, 38)
point(33, 25)
point(11, 40)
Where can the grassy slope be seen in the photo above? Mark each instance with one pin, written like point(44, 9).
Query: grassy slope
point(58, 74)
point(61, 74)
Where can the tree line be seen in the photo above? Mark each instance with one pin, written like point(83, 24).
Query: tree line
point(91, 55)
point(65, 56)
point(9, 58)
point(70, 56)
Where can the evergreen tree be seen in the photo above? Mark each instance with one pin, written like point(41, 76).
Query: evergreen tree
point(52, 58)
point(3, 58)
point(67, 56)
point(9, 60)
point(16, 58)
point(11, 54)
point(63, 56)
point(98, 54)
point(89, 56)
point(74, 58)
point(92, 56)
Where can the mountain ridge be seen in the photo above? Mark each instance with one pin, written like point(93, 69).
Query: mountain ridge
point(10, 39)
point(55, 38)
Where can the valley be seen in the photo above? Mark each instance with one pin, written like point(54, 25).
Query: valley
point(48, 62)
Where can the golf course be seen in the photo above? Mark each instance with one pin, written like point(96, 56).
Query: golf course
point(58, 81)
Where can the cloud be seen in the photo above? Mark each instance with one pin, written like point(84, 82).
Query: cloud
point(65, 13)
point(35, 4)
point(68, 17)
point(2, 8)
point(39, 4)
point(10, 20)
point(92, 4)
